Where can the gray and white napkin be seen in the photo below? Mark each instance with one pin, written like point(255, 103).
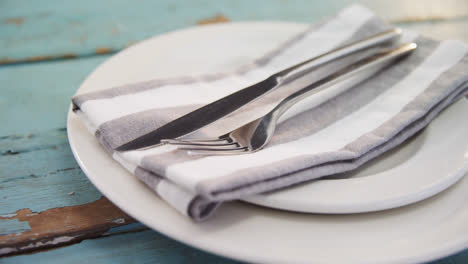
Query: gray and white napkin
point(333, 133)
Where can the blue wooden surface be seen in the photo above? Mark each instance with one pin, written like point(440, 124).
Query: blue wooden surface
point(13, 226)
point(37, 169)
point(38, 94)
point(44, 165)
point(33, 31)
point(80, 27)
point(136, 247)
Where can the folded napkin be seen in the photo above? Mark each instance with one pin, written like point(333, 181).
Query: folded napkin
point(335, 133)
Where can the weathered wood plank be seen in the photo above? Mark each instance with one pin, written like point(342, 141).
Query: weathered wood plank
point(34, 31)
point(136, 247)
point(44, 184)
point(58, 226)
point(12, 226)
point(142, 247)
point(61, 226)
point(45, 198)
point(48, 86)
point(38, 95)
point(38, 172)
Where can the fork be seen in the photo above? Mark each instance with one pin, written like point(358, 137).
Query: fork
point(256, 134)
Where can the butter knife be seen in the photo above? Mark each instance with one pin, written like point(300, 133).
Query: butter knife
point(228, 104)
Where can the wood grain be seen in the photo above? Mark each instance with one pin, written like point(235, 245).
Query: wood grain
point(46, 199)
point(146, 246)
point(38, 94)
point(33, 31)
point(58, 226)
point(38, 171)
point(213, 20)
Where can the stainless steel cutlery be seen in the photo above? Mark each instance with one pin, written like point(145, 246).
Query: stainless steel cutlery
point(255, 135)
point(226, 105)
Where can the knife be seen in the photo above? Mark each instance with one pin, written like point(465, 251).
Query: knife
point(228, 104)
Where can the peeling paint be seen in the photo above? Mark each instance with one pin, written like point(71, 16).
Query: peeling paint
point(68, 56)
point(60, 225)
point(39, 58)
point(13, 226)
point(6, 61)
point(55, 241)
point(8, 215)
point(14, 20)
point(217, 19)
point(7, 250)
point(32, 214)
point(103, 50)
point(119, 221)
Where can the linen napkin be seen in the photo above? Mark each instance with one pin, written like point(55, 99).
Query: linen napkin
point(334, 132)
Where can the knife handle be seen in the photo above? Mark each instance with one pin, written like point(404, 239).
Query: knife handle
point(218, 109)
point(201, 117)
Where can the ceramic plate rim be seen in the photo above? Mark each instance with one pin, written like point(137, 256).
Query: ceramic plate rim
point(422, 187)
point(78, 134)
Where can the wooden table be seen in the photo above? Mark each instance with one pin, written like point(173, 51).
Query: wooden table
point(49, 211)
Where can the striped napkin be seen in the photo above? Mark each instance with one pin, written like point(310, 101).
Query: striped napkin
point(335, 131)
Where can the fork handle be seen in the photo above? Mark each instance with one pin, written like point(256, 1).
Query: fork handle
point(367, 67)
point(220, 108)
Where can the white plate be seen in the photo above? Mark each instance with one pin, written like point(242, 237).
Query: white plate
point(423, 231)
point(427, 164)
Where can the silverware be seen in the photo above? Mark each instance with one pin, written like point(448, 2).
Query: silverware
point(226, 105)
point(254, 135)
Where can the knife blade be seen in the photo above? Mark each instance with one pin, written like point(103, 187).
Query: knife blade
point(218, 109)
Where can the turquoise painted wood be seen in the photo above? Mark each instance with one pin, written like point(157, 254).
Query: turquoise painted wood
point(13, 227)
point(38, 95)
point(37, 169)
point(460, 258)
point(38, 172)
point(141, 247)
point(23, 93)
point(80, 27)
point(136, 247)
point(32, 29)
